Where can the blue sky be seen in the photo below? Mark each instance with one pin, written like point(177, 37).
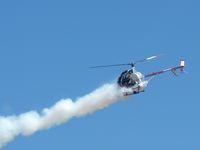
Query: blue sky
point(46, 47)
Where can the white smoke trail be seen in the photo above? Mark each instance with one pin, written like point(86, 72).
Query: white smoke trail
point(30, 122)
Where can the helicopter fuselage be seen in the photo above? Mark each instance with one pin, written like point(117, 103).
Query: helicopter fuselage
point(133, 80)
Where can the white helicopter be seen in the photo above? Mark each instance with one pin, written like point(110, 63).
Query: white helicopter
point(135, 81)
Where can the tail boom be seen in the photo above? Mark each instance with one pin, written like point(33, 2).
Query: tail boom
point(172, 69)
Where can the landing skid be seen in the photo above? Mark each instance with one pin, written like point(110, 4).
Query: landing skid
point(132, 93)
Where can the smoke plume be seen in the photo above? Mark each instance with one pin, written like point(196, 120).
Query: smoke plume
point(32, 121)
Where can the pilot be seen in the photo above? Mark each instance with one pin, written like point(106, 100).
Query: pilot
point(130, 74)
point(121, 78)
point(130, 80)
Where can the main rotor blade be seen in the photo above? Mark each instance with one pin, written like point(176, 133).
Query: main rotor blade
point(129, 64)
point(103, 66)
point(148, 58)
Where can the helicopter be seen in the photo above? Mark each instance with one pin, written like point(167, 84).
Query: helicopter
point(136, 81)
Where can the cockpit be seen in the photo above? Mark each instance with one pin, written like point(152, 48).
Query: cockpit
point(129, 78)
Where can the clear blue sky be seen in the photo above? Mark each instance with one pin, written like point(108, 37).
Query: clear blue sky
point(46, 47)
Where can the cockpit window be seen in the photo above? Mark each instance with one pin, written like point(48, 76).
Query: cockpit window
point(127, 79)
